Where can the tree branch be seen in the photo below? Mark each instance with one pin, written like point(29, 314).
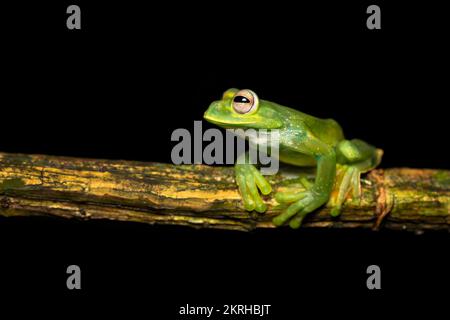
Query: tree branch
point(206, 196)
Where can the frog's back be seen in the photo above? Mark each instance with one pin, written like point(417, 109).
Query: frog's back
point(327, 130)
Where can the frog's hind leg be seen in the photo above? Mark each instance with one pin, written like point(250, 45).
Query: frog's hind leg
point(355, 157)
point(347, 179)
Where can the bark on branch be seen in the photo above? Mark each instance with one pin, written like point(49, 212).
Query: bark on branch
point(205, 196)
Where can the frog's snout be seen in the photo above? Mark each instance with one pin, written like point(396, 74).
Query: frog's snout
point(206, 114)
point(211, 111)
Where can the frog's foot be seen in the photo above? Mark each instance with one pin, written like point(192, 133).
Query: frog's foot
point(348, 179)
point(358, 157)
point(249, 180)
point(302, 204)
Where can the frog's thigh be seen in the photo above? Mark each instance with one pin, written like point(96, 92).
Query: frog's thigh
point(298, 159)
point(358, 154)
point(350, 151)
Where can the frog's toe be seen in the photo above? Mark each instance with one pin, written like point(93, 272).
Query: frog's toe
point(292, 210)
point(279, 220)
point(246, 196)
point(356, 186)
point(296, 222)
point(249, 179)
point(307, 203)
point(349, 182)
point(287, 197)
point(253, 190)
point(252, 185)
point(260, 181)
point(336, 211)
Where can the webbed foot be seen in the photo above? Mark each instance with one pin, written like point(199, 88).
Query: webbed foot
point(357, 157)
point(302, 203)
point(348, 179)
point(249, 180)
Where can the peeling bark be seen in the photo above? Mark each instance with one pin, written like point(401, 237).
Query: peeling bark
point(206, 196)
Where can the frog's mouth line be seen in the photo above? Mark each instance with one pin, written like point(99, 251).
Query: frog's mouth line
point(221, 122)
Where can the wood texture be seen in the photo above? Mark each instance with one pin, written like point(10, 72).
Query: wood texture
point(206, 196)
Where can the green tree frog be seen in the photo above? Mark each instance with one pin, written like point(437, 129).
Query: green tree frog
point(304, 141)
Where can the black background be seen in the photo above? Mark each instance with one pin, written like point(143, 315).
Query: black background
point(135, 72)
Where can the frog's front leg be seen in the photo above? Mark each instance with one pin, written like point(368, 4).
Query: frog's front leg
point(318, 194)
point(249, 180)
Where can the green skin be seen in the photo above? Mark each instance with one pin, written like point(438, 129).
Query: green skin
point(304, 141)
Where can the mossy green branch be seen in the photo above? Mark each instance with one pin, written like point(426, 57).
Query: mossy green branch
point(206, 196)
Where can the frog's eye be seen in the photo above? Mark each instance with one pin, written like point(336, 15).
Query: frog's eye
point(245, 101)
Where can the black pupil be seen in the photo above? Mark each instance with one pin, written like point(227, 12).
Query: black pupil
point(241, 99)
